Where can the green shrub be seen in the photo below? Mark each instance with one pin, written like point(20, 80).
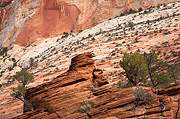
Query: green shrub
point(140, 9)
point(13, 59)
point(113, 54)
point(65, 35)
point(122, 14)
point(80, 31)
point(136, 40)
point(3, 51)
point(131, 11)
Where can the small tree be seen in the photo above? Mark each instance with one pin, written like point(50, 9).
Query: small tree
point(162, 79)
point(174, 72)
point(135, 67)
point(24, 78)
point(86, 107)
point(157, 69)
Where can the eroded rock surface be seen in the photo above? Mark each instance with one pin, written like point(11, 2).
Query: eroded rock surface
point(110, 42)
point(25, 21)
point(62, 97)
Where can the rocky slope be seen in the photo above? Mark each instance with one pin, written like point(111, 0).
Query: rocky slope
point(155, 28)
point(26, 21)
point(62, 97)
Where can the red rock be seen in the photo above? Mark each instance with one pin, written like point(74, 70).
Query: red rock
point(62, 97)
point(53, 17)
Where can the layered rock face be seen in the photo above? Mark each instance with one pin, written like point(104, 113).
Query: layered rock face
point(24, 21)
point(62, 97)
point(14, 18)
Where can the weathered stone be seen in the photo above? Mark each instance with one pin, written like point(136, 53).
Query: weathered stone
point(24, 21)
point(62, 97)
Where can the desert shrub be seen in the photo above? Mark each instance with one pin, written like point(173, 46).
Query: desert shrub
point(158, 6)
point(131, 25)
point(93, 39)
point(32, 63)
point(65, 35)
point(140, 9)
point(86, 107)
point(147, 21)
point(94, 87)
point(122, 14)
point(164, 53)
point(113, 54)
point(142, 95)
point(131, 11)
point(119, 84)
point(3, 51)
point(80, 31)
point(136, 40)
point(13, 59)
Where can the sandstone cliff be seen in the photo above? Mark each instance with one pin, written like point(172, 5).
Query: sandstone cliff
point(62, 97)
point(53, 54)
point(24, 21)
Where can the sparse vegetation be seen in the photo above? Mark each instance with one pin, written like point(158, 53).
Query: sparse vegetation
point(142, 95)
point(3, 51)
point(94, 87)
point(140, 9)
point(136, 40)
point(32, 63)
point(138, 68)
point(65, 35)
point(86, 107)
point(93, 39)
point(24, 78)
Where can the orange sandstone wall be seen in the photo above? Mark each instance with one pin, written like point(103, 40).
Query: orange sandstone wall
point(53, 17)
